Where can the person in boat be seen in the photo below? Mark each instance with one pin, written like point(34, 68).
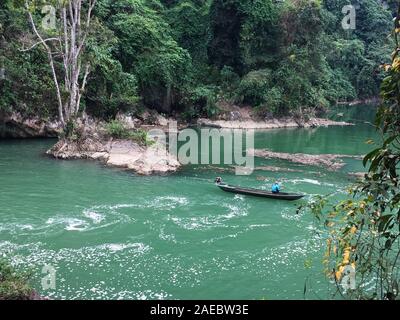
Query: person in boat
point(276, 188)
point(218, 180)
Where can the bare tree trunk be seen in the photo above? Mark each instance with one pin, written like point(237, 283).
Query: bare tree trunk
point(70, 45)
point(51, 62)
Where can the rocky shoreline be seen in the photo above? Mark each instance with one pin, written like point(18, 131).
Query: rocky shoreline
point(94, 144)
point(14, 125)
point(270, 124)
point(126, 154)
point(330, 161)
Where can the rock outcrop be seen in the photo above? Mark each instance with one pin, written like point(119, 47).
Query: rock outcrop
point(244, 117)
point(330, 161)
point(14, 125)
point(144, 160)
point(270, 124)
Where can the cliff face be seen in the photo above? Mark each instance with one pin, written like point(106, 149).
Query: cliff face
point(14, 125)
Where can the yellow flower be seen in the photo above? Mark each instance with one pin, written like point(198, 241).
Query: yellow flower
point(353, 230)
point(346, 256)
point(396, 64)
point(339, 273)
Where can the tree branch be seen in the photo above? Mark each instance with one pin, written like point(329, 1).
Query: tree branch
point(92, 3)
point(38, 43)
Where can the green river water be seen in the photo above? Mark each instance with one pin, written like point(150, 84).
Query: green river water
point(113, 235)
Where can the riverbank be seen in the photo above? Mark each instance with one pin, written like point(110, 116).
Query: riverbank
point(372, 100)
point(288, 122)
point(91, 141)
point(15, 125)
point(244, 117)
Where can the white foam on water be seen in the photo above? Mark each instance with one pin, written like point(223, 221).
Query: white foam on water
point(121, 206)
point(94, 216)
point(70, 224)
point(239, 197)
point(254, 226)
point(167, 202)
point(163, 202)
point(152, 270)
point(115, 247)
point(311, 181)
point(15, 228)
point(228, 236)
point(271, 260)
point(239, 208)
point(312, 227)
point(76, 225)
point(290, 214)
point(113, 260)
point(38, 254)
point(26, 227)
point(234, 211)
point(166, 237)
point(179, 200)
point(238, 233)
point(194, 223)
point(141, 295)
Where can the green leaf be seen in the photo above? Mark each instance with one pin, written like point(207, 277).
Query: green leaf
point(375, 163)
point(370, 156)
point(383, 222)
point(389, 140)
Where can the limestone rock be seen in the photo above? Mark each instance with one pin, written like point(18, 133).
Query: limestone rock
point(128, 121)
point(14, 125)
point(119, 153)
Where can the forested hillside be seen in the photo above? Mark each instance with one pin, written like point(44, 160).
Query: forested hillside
point(186, 57)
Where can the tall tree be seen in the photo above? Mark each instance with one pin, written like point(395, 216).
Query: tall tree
point(67, 40)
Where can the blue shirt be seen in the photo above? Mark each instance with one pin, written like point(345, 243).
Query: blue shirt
point(276, 187)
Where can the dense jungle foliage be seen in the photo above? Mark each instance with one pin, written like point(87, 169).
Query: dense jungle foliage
point(185, 56)
point(363, 247)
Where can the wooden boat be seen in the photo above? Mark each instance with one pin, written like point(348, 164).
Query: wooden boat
point(260, 193)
